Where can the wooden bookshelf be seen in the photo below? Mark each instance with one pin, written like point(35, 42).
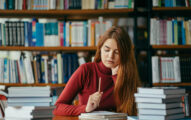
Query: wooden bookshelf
point(69, 14)
point(39, 84)
point(171, 46)
point(171, 84)
point(21, 48)
point(171, 9)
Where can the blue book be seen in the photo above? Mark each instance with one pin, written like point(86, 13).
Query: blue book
point(167, 3)
point(42, 71)
point(180, 3)
point(16, 71)
point(56, 71)
point(70, 66)
point(172, 31)
point(6, 72)
point(26, 34)
point(65, 68)
point(64, 33)
point(39, 34)
point(29, 27)
point(183, 33)
point(11, 4)
point(5, 7)
point(171, 3)
point(47, 29)
point(85, 36)
point(180, 40)
point(75, 62)
point(175, 32)
point(38, 66)
point(54, 28)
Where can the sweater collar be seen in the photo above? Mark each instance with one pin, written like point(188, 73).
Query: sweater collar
point(103, 69)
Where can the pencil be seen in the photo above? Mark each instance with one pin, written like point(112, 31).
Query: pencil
point(99, 87)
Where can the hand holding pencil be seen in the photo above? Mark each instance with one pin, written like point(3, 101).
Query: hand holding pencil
point(94, 99)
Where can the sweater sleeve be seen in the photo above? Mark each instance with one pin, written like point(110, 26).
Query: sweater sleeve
point(73, 87)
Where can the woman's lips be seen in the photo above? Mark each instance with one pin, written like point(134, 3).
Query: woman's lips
point(110, 62)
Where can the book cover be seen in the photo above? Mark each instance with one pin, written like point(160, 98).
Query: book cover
point(157, 100)
point(158, 95)
point(159, 105)
point(162, 90)
point(160, 111)
point(161, 117)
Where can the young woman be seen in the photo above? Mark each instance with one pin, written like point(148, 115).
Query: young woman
point(115, 67)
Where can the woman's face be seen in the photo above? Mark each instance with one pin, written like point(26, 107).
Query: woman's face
point(110, 53)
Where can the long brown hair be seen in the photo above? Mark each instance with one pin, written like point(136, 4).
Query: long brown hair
point(127, 76)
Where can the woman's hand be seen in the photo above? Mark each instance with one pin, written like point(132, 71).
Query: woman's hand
point(93, 101)
point(115, 70)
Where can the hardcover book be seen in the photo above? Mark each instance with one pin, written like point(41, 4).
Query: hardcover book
point(102, 115)
point(162, 90)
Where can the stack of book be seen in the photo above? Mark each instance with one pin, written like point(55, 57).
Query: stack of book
point(29, 96)
point(102, 115)
point(43, 112)
point(26, 101)
point(160, 103)
point(29, 112)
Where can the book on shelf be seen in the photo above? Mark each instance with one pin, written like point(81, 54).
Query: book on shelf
point(39, 68)
point(65, 5)
point(102, 115)
point(171, 3)
point(170, 31)
point(46, 32)
point(166, 69)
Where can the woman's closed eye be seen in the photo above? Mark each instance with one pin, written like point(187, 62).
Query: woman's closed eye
point(116, 52)
point(106, 50)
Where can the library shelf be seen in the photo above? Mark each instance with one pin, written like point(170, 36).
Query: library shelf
point(171, 84)
point(171, 46)
point(35, 84)
point(69, 14)
point(171, 9)
point(21, 48)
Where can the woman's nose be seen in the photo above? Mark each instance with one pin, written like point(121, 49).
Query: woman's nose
point(111, 55)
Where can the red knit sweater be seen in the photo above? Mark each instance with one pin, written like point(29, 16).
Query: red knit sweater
point(84, 82)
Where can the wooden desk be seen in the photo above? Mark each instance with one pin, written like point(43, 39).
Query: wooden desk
point(65, 118)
